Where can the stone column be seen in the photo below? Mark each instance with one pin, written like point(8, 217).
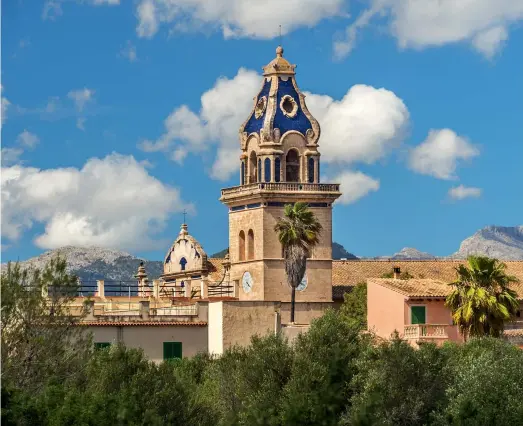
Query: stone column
point(89, 309)
point(203, 289)
point(188, 288)
point(144, 309)
point(101, 288)
point(156, 289)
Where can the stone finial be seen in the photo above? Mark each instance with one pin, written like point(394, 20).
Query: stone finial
point(183, 230)
point(279, 51)
point(141, 272)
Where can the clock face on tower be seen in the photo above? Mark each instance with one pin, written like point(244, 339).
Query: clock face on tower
point(303, 285)
point(247, 282)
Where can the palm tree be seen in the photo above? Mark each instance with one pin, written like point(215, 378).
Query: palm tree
point(298, 231)
point(482, 301)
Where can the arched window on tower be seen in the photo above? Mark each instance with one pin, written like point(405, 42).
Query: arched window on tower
point(250, 244)
point(259, 170)
point(277, 169)
point(292, 166)
point(183, 262)
point(241, 246)
point(242, 173)
point(252, 167)
point(267, 170)
point(310, 170)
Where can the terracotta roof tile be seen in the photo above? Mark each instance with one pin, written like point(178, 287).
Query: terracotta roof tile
point(215, 266)
point(415, 287)
point(351, 272)
point(143, 323)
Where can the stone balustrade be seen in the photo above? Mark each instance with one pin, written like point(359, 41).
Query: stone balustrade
point(282, 187)
point(426, 331)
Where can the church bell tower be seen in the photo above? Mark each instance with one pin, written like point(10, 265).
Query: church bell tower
point(279, 164)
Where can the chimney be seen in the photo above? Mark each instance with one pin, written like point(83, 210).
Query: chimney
point(397, 272)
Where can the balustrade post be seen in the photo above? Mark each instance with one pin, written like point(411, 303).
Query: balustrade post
point(101, 288)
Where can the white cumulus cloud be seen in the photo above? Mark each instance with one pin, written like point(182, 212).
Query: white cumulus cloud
point(364, 126)
point(11, 156)
point(439, 154)
point(235, 18)
point(109, 202)
point(460, 192)
point(81, 97)
point(27, 139)
point(355, 185)
point(418, 24)
point(223, 109)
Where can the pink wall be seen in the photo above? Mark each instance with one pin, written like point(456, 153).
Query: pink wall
point(388, 310)
point(385, 310)
point(436, 313)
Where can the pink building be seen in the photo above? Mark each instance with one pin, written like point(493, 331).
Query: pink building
point(415, 308)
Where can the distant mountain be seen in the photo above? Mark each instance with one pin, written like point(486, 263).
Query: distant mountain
point(338, 252)
point(500, 242)
point(221, 254)
point(407, 253)
point(95, 263)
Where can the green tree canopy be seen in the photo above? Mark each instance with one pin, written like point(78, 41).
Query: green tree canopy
point(481, 300)
point(298, 231)
point(40, 335)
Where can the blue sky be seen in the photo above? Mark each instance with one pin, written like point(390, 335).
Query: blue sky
point(117, 116)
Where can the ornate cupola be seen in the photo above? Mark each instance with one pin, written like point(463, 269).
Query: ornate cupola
point(279, 139)
point(186, 257)
point(279, 165)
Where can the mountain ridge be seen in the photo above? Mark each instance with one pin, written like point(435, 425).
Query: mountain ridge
point(94, 263)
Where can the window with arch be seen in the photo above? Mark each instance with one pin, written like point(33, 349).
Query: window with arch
point(259, 170)
point(267, 170)
point(252, 167)
point(310, 170)
point(242, 173)
point(250, 244)
point(183, 262)
point(241, 246)
point(292, 166)
point(277, 169)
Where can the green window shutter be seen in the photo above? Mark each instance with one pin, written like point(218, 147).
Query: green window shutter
point(101, 345)
point(172, 350)
point(417, 314)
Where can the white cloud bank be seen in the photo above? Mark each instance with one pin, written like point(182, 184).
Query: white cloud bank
point(235, 18)
point(460, 192)
point(355, 185)
point(364, 126)
point(439, 154)
point(109, 202)
point(418, 24)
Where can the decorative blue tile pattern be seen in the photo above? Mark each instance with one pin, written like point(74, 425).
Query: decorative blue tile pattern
point(299, 122)
point(255, 124)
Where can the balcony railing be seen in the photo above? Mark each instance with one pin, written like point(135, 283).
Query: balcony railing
point(283, 187)
point(426, 331)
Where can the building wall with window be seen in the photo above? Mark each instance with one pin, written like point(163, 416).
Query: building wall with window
point(151, 338)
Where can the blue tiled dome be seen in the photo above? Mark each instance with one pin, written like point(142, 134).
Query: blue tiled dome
point(279, 105)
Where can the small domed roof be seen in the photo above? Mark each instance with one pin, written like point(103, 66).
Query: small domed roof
point(185, 255)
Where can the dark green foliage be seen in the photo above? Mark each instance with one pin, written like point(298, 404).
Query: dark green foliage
point(323, 365)
point(486, 384)
point(354, 308)
point(38, 331)
point(396, 384)
point(333, 375)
